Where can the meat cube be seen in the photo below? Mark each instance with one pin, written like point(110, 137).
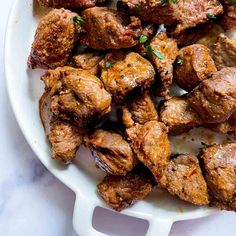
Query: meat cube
point(112, 153)
point(139, 109)
point(54, 40)
point(65, 139)
point(220, 174)
point(64, 136)
point(193, 65)
point(229, 126)
point(229, 17)
point(224, 52)
point(70, 4)
point(108, 29)
point(122, 73)
point(215, 99)
point(181, 15)
point(88, 61)
point(151, 145)
point(77, 95)
point(183, 178)
point(178, 116)
point(164, 51)
point(120, 192)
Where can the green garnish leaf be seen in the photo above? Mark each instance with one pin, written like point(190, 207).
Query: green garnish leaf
point(108, 65)
point(211, 17)
point(179, 61)
point(169, 1)
point(159, 55)
point(138, 8)
point(143, 39)
point(231, 2)
point(150, 51)
point(78, 20)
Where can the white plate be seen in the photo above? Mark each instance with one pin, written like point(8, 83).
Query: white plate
point(25, 88)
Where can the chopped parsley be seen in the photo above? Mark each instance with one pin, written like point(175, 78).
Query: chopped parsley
point(169, 1)
point(78, 20)
point(211, 17)
point(150, 51)
point(143, 39)
point(179, 61)
point(231, 2)
point(108, 65)
point(138, 8)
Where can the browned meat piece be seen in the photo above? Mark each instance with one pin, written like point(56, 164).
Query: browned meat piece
point(151, 145)
point(163, 53)
point(123, 73)
point(181, 15)
point(45, 112)
point(229, 17)
point(88, 61)
point(224, 52)
point(193, 65)
point(77, 95)
point(178, 116)
point(228, 126)
point(120, 192)
point(113, 154)
point(193, 35)
point(65, 139)
point(108, 29)
point(70, 4)
point(54, 40)
point(64, 136)
point(220, 174)
point(139, 109)
point(183, 178)
point(215, 99)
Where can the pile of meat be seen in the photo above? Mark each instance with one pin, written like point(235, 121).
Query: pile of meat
point(99, 58)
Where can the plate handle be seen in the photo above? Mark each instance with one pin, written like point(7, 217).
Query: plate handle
point(83, 216)
point(159, 227)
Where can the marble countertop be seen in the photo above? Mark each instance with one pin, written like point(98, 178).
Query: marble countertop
point(33, 202)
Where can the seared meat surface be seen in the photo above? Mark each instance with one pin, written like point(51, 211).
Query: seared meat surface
point(220, 172)
point(183, 178)
point(178, 116)
point(151, 145)
point(77, 95)
point(54, 40)
point(64, 136)
point(215, 99)
point(181, 15)
point(120, 192)
point(224, 52)
point(65, 139)
point(164, 51)
point(88, 61)
point(124, 72)
point(229, 18)
point(193, 65)
point(108, 29)
point(229, 126)
point(113, 154)
point(70, 4)
point(139, 109)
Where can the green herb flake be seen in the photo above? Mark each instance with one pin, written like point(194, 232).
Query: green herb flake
point(231, 2)
point(150, 51)
point(168, 1)
point(78, 20)
point(143, 39)
point(159, 55)
point(138, 8)
point(108, 65)
point(179, 61)
point(211, 17)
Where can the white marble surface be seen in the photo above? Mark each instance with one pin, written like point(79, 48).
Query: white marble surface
point(33, 202)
